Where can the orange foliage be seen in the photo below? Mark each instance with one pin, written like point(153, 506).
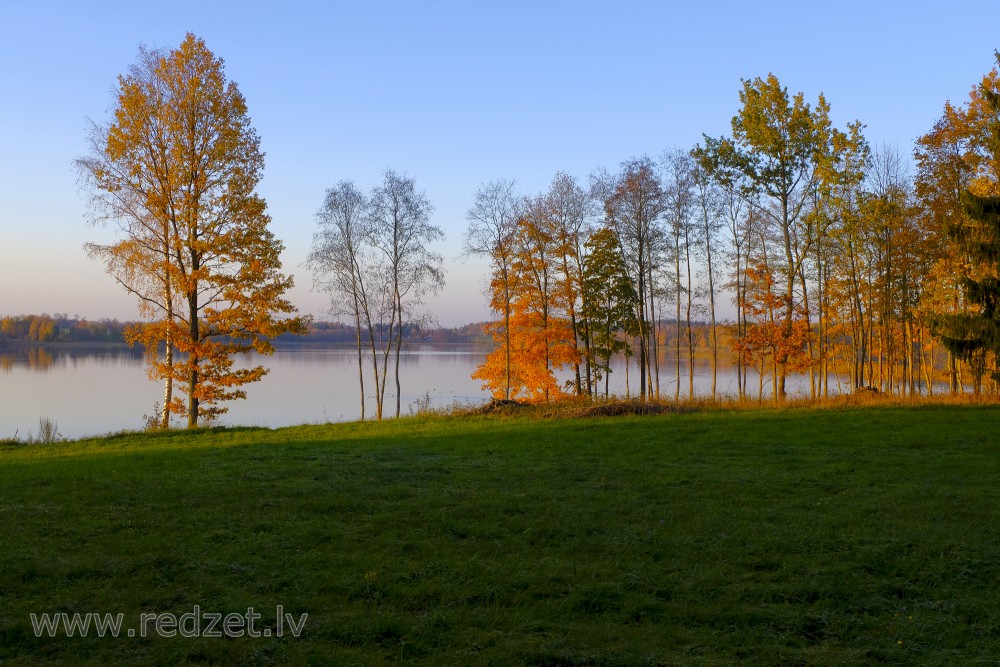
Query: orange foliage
point(178, 169)
point(768, 336)
point(540, 338)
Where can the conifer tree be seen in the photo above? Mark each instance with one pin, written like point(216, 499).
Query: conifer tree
point(610, 300)
point(972, 336)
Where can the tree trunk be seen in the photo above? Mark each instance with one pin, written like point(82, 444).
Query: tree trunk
point(677, 332)
point(361, 369)
point(399, 345)
point(506, 329)
point(655, 351)
point(168, 359)
point(953, 374)
point(809, 338)
point(789, 288)
point(928, 373)
point(379, 386)
point(585, 321)
point(193, 359)
point(713, 334)
point(643, 329)
point(628, 389)
point(168, 383)
point(690, 332)
point(741, 385)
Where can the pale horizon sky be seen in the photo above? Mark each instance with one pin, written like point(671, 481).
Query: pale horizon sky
point(454, 94)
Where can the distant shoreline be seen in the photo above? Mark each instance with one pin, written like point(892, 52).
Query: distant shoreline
point(281, 344)
point(64, 344)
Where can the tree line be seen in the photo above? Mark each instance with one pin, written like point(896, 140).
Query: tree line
point(60, 328)
point(835, 256)
point(63, 328)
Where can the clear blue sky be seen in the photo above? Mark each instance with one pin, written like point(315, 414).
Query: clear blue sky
point(454, 94)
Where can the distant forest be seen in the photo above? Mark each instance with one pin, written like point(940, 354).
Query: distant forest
point(61, 328)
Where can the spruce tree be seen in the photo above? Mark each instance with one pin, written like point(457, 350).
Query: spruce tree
point(975, 336)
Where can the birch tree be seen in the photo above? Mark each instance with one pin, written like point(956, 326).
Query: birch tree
point(341, 263)
point(634, 203)
point(493, 221)
point(400, 230)
point(178, 169)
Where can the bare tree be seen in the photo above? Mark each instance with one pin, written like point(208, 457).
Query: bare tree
point(372, 255)
point(633, 206)
point(340, 261)
point(709, 204)
point(570, 208)
point(679, 168)
point(400, 229)
point(741, 223)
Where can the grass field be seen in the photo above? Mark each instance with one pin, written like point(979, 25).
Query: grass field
point(859, 535)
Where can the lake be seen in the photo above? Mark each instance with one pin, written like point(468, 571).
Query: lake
point(90, 390)
point(95, 390)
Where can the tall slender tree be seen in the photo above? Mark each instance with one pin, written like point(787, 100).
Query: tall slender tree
point(610, 302)
point(342, 264)
point(400, 229)
point(634, 203)
point(974, 336)
point(708, 198)
point(569, 207)
point(493, 221)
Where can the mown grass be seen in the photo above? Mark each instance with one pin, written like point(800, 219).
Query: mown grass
point(863, 535)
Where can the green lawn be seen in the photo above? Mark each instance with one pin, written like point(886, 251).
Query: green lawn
point(866, 535)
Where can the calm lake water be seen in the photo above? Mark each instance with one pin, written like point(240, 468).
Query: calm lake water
point(97, 390)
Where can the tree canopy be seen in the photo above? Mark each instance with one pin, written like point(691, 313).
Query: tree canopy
point(177, 170)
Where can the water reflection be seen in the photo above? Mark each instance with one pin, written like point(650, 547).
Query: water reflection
point(44, 358)
point(98, 389)
point(91, 390)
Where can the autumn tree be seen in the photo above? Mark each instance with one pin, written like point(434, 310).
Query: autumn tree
point(177, 168)
point(536, 336)
point(974, 336)
point(31, 328)
point(493, 221)
point(780, 152)
point(835, 252)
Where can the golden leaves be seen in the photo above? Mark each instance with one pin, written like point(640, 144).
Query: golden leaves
point(178, 167)
point(535, 338)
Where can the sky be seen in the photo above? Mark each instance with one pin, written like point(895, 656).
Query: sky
point(453, 94)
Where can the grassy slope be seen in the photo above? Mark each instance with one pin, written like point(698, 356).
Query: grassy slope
point(820, 537)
